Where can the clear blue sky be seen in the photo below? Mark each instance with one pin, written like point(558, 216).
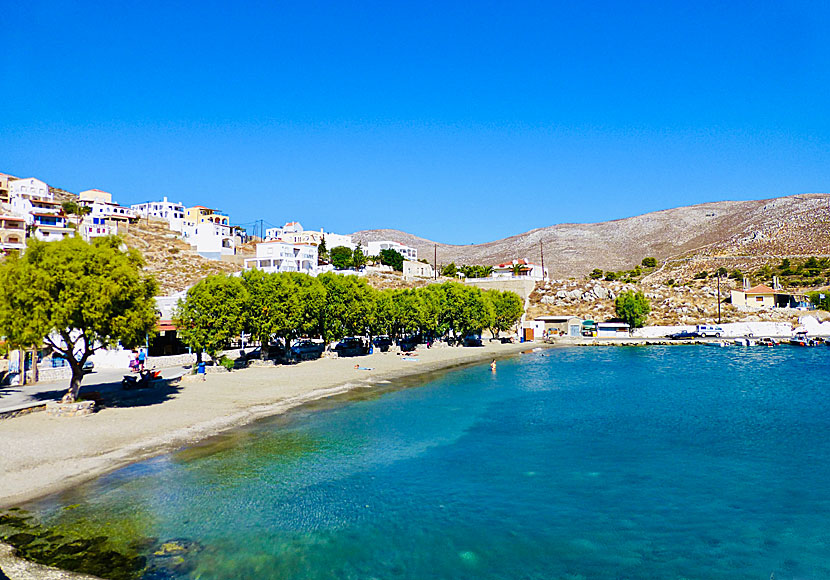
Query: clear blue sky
point(460, 122)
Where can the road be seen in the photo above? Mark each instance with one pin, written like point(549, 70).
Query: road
point(103, 381)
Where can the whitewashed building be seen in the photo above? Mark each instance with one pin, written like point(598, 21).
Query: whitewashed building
point(417, 270)
point(294, 233)
point(110, 211)
point(95, 227)
point(521, 268)
point(174, 213)
point(280, 256)
point(374, 248)
point(211, 240)
point(30, 188)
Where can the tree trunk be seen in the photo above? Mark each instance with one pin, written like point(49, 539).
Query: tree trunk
point(198, 356)
point(74, 384)
point(263, 347)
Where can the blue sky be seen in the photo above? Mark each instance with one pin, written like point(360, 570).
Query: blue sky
point(459, 122)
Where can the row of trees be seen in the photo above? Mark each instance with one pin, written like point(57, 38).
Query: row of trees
point(451, 271)
point(344, 258)
point(289, 305)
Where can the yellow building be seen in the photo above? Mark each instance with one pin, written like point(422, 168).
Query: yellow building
point(200, 214)
point(759, 297)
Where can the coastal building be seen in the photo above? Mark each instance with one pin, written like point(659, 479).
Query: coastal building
point(374, 249)
point(612, 329)
point(417, 270)
point(763, 297)
point(293, 232)
point(108, 210)
point(173, 213)
point(211, 239)
point(280, 256)
point(12, 233)
point(560, 325)
point(29, 188)
point(521, 268)
point(200, 214)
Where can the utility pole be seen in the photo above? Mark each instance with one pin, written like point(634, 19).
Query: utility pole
point(718, 297)
point(542, 253)
point(435, 264)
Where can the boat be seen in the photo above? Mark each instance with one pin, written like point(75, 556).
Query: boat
point(767, 341)
point(801, 339)
point(745, 341)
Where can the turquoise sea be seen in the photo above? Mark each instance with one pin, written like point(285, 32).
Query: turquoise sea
point(659, 462)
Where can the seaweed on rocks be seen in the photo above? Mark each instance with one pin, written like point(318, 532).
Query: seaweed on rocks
point(92, 555)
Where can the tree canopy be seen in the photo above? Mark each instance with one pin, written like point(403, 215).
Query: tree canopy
point(332, 306)
point(341, 257)
point(392, 258)
point(633, 307)
point(76, 297)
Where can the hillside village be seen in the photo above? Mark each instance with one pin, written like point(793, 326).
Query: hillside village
point(182, 245)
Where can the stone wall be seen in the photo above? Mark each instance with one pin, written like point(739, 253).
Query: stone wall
point(522, 287)
point(46, 374)
point(77, 409)
point(157, 362)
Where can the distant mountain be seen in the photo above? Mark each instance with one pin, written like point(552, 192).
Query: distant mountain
point(794, 225)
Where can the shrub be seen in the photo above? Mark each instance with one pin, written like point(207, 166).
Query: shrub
point(596, 274)
point(226, 362)
point(650, 262)
point(702, 275)
point(610, 276)
point(633, 307)
point(736, 275)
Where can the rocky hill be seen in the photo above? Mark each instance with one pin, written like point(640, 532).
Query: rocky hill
point(798, 225)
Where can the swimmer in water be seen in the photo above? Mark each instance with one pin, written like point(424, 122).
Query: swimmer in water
point(493, 365)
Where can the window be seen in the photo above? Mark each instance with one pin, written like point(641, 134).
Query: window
point(759, 299)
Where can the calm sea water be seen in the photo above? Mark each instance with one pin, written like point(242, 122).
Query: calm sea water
point(678, 462)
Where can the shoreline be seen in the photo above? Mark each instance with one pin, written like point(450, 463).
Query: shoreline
point(42, 455)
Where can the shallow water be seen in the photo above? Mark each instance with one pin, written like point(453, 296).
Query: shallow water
point(659, 462)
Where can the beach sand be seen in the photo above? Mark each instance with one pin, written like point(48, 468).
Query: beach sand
point(40, 455)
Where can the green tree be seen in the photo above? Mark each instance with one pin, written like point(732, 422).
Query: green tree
point(348, 306)
point(273, 307)
point(358, 257)
point(450, 271)
point(506, 309)
point(392, 258)
point(341, 257)
point(649, 262)
point(464, 309)
point(78, 298)
point(322, 252)
point(610, 276)
point(722, 272)
point(633, 307)
point(596, 274)
point(212, 314)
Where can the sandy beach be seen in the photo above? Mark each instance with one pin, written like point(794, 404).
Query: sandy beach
point(42, 455)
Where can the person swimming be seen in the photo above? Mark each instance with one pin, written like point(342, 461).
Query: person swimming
point(493, 365)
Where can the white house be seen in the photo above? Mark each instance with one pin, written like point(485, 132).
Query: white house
point(294, 233)
point(30, 188)
point(279, 256)
point(95, 227)
point(374, 248)
point(108, 210)
point(27, 207)
point(174, 213)
point(212, 240)
point(521, 268)
point(417, 270)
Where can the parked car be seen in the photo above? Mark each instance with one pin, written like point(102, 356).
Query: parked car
point(472, 340)
point(351, 346)
point(383, 342)
point(709, 330)
point(684, 334)
point(306, 350)
point(409, 343)
point(88, 367)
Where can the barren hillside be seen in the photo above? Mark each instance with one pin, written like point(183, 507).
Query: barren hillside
point(795, 225)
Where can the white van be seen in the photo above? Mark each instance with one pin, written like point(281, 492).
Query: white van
point(709, 330)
